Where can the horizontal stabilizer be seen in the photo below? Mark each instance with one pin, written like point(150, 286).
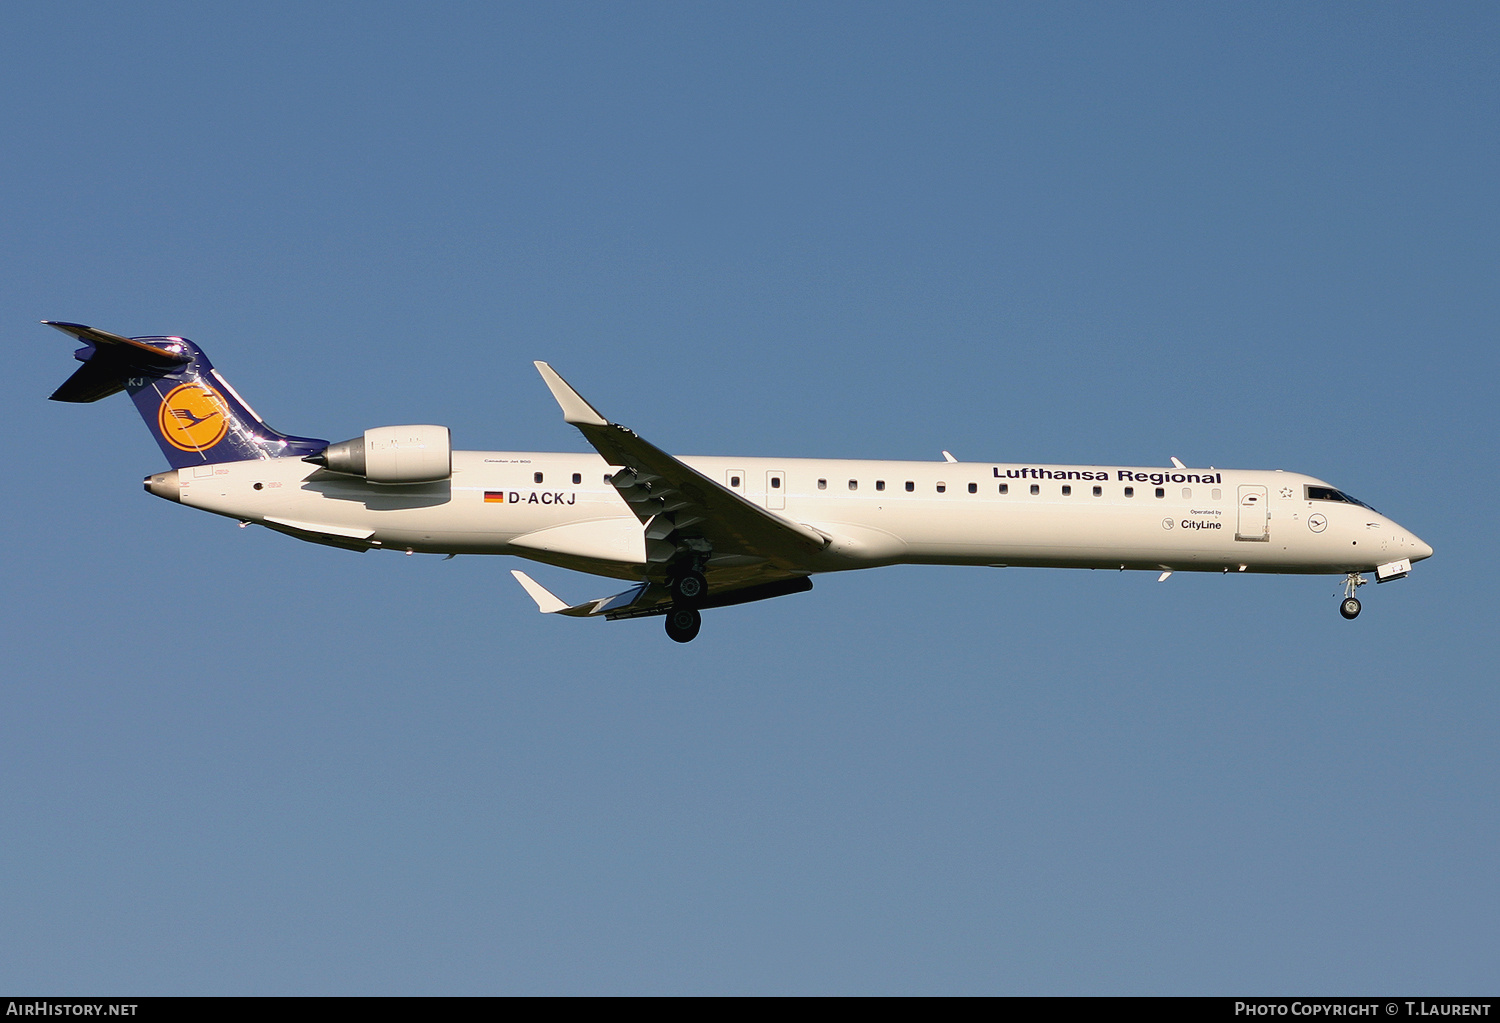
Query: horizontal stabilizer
point(146, 354)
point(109, 361)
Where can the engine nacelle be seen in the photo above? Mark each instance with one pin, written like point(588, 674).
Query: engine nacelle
point(392, 455)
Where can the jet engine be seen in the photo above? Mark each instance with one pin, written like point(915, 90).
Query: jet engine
point(392, 455)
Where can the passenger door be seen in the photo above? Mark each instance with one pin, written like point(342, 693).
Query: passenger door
point(1255, 515)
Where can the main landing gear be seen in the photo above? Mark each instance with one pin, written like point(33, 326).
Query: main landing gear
point(1350, 606)
point(689, 588)
point(683, 623)
point(683, 620)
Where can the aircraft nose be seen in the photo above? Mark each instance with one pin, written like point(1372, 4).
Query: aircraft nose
point(1420, 549)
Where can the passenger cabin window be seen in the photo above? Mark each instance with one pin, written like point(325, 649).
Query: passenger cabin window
point(537, 476)
point(1130, 491)
point(578, 477)
point(910, 486)
point(1098, 491)
point(822, 484)
point(973, 488)
point(880, 484)
point(1161, 492)
point(1216, 494)
point(1187, 493)
point(1036, 488)
point(608, 477)
point(1067, 490)
point(1005, 488)
point(854, 484)
point(942, 488)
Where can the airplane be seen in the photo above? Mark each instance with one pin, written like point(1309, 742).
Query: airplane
point(695, 533)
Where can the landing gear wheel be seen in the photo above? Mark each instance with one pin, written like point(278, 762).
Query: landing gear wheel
point(689, 588)
point(1349, 608)
point(683, 624)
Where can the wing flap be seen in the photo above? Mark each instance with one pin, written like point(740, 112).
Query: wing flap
point(348, 532)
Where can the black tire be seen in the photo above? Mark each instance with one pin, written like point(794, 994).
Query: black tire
point(683, 624)
point(1349, 608)
point(689, 588)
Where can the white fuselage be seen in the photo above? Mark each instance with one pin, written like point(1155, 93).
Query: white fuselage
point(873, 512)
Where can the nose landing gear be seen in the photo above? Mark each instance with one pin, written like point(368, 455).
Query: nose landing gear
point(1350, 606)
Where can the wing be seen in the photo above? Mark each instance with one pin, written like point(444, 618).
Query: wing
point(686, 515)
point(549, 603)
point(651, 598)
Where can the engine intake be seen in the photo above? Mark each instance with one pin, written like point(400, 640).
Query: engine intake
point(392, 455)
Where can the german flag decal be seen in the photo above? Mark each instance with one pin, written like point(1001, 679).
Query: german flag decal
point(494, 497)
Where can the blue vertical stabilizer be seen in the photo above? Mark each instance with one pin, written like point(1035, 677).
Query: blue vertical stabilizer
point(189, 408)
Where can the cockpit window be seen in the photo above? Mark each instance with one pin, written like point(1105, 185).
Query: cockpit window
point(1329, 494)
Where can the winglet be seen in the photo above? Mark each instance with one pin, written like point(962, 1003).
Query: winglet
point(1177, 463)
point(546, 602)
point(575, 409)
point(948, 457)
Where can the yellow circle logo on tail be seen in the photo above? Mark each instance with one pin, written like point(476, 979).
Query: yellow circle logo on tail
point(193, 417)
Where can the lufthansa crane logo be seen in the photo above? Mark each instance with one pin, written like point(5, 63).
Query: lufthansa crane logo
point(193, 417)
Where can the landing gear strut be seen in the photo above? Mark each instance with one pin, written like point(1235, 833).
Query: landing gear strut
point(1350, 606)
point(683, 623)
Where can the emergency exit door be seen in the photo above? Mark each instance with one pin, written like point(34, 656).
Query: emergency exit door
point(776, 489)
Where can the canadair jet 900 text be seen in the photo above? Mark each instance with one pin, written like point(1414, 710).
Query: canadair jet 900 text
point(694, 533)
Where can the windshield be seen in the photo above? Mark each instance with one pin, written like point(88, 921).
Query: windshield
point(1329, 494)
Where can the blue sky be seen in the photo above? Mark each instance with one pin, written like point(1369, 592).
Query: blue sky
point(1256, 235)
